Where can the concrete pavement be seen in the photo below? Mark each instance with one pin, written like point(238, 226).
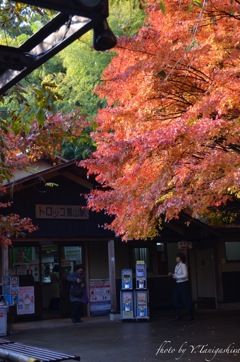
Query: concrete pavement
point(212, 336)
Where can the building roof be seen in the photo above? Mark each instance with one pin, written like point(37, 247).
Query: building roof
point(185, 228)
point(45, 169)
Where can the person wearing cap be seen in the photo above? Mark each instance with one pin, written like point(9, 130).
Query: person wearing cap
point(182, 294)
point(76, 278)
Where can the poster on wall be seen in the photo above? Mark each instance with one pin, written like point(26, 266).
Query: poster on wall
point(73, 253)
point(22, 255)
point(26, 300)
point(10, 289)
point(100, 301)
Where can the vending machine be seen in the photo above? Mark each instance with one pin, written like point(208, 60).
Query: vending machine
point(141, 294)
point(141, 304)
point(141, 275)
point(127, 304)
point(127, 282)
point(126, 295)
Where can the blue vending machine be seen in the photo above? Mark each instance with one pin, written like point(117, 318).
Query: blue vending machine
point(141, 275)
point(141, 304)
point(126, 295)
point(141, 295)
point(127, 282)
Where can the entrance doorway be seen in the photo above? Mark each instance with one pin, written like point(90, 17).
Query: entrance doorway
point(203, 278)
point(56, 262)
point(51, 283)
point(43, 268)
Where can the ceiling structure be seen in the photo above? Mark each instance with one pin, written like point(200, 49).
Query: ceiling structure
point(74, 18)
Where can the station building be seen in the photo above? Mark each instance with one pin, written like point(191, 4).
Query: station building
point(52, 195)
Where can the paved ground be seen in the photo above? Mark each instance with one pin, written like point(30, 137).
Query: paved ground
point(212, 336)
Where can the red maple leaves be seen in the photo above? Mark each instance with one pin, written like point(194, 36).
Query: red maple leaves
point(19, 151)
point(169, 139)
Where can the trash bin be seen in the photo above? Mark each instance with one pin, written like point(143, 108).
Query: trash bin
point(3, 320)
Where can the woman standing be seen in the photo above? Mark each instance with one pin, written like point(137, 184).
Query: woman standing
point(182, 295)
point(77, 280)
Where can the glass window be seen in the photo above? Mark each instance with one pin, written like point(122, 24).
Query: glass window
point(232, 250)
point(70, 256)
point(24, 262)
point(143, 254)
point(50, 259)
point(162, 258)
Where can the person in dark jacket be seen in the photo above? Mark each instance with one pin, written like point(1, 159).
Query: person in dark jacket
point(54, 289)
point(77, 278)
point(182, 294)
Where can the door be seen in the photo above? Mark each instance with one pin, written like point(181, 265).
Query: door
point(50, 281)
point(56, 262)
point(203, 277)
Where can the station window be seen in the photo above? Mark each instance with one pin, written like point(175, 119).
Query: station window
point(232, 249)
point(162, 258)
point(141, 253)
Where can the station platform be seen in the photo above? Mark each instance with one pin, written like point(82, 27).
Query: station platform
point(211, 336)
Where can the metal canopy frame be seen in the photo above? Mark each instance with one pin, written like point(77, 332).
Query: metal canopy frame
point(75, 18)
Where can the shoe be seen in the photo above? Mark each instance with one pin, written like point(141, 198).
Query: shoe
point(190, 318)
point(176, 319)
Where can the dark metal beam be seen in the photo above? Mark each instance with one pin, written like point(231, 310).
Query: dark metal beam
point(86, 8)
point(75, 19)
point(13, 58)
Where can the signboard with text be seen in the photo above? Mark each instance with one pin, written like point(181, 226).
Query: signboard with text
point(61, 212)
point(100, 301)
point(184, 245)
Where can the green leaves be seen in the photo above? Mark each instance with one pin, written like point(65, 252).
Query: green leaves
point(51, 184)
point(162, 7)
point(198, 3)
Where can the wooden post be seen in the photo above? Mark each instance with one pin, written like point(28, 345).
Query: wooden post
point(5, 268)
point(112, 275)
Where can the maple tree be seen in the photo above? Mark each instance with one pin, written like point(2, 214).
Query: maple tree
point(31, 125)
point(20, 148)
point(169, 140)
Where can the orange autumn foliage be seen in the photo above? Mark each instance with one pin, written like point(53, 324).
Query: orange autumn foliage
point(169, 139)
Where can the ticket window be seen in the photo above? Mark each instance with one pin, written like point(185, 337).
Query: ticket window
point(49, 260)
point(70, 256)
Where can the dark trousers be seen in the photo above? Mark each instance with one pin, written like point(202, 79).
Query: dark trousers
point(76, 312)
point(182, 298)
point(54, 304)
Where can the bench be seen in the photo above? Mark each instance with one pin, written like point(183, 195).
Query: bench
point(18, 352)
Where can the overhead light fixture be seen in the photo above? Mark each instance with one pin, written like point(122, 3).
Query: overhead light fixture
point(89, 3)
point(103, 37)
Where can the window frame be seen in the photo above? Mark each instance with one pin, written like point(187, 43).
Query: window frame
point(237, 260)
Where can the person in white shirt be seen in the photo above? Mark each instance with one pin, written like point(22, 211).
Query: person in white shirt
point(182, 294)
